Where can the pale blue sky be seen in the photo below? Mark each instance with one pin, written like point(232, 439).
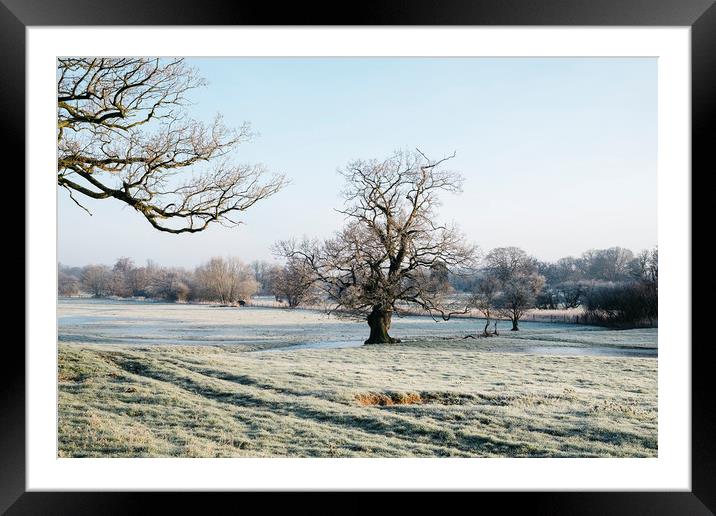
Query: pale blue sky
point(559, 154)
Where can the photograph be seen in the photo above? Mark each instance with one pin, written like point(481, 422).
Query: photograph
point(340, 257)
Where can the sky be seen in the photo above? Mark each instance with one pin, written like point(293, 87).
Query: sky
point(559, 155)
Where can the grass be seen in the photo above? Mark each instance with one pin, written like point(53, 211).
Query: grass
point(421, 398)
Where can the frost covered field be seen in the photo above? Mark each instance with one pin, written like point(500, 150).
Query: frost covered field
point(170, 380)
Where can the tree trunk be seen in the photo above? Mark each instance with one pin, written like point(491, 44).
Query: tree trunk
point(379, 322)
point(487, 325)
point(515, 320)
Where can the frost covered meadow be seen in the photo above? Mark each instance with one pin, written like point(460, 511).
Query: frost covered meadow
point(148, 379)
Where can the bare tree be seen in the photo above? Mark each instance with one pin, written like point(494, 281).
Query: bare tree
point(519, 281)
point(645, 266)
point(611, 264)
point(97, 280)
point(138, 281)
point(265, 274)
point(518, 295)
point(484, 298)
point(227, 280)
point(295, 282)
point(382, 259)
point(171, 284)
point(568, 269)
point(123, 133)
point(121, 277)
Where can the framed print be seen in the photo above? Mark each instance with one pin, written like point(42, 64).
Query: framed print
point(427, 262)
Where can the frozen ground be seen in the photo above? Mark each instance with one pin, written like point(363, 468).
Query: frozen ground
point(550, 390)
point(255, 328)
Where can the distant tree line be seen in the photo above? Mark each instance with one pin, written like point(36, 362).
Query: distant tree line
point(223, 280)
point(614, 286)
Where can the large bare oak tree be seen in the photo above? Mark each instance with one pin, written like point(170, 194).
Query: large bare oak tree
point(123, 132)
point(387, 255)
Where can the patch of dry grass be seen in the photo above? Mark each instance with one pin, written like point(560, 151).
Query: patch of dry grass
point(387, 399)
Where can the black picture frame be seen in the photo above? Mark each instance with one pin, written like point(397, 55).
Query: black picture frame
point(700, 15)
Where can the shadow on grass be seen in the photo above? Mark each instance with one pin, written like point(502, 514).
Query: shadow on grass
point(382, 424)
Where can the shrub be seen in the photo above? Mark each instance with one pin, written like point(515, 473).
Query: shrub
point(622, 304)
